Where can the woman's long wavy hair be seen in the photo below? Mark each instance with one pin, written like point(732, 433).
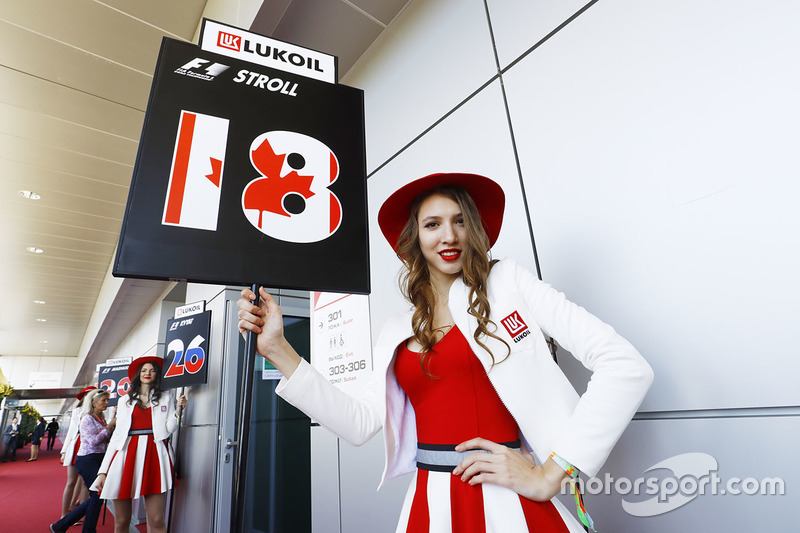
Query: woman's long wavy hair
point(415, 281)
point(135, 391)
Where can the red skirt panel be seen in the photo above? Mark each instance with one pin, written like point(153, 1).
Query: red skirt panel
point(70, 452)
point(439, 502)
point(143, 466)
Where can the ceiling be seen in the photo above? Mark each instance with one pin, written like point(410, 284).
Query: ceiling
point(74, 82)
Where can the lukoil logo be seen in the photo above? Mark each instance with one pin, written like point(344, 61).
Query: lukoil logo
point(693, 474)
point(229, 41)
point(515, 326)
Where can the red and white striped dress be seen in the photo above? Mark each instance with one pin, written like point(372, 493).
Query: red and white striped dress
point(72, 441)
point(457, 404)
point(71, 451)
point(143, 466)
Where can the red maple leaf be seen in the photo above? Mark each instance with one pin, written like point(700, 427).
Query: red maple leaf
point(216, 171)
point(267, 193)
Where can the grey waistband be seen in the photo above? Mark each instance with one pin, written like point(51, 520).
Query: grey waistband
point(444, 457)
point(140, 432)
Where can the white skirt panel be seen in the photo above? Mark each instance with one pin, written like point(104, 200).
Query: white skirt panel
point(126, 477)
point(502, 509)
point(71, 450)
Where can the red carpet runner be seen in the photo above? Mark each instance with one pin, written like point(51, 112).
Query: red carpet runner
point(30, 493)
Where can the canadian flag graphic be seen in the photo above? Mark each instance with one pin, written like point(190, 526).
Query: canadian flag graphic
point(195, 180)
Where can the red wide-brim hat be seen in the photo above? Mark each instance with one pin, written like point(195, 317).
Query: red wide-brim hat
point(82, 393)
point(137, 363)
point(487, 195)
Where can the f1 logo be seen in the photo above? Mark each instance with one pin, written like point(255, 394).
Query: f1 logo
point(212, 69)
point(229, 41)
point(514, 324)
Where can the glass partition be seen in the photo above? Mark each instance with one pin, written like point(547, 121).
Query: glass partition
point(278, 480)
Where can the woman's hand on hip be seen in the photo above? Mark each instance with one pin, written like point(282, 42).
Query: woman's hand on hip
point(509, 468)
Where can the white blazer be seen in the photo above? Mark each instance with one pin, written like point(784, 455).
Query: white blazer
point(72, 431)
point(164, 417)
point(550, 414)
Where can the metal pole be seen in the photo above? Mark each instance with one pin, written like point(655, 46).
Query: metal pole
point(273, 464)
point(243, 435)
point(175, 443)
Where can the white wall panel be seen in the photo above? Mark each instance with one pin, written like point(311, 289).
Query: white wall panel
point(46, 408)
point(755, 447)
point(196, 457)
point(324, 481)
point(147, 336)
point(102, 306)
point(657, 143)
point(433, 56)
point(143, 337)
point(196, 292)
point(17, 369)
point(520, 24)
point(475, 139)
point(70, 371)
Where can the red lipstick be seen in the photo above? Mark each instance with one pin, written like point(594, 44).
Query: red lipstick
point(451, 254)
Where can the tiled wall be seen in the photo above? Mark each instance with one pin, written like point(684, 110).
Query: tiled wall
point(646, 149)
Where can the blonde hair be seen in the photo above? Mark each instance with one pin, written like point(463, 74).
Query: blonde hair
point(415, 280)
point(88, 400)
